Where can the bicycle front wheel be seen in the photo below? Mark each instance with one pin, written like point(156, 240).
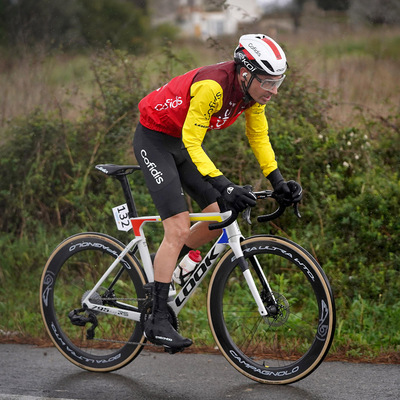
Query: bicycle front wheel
point(92, 340)
point(292, 341)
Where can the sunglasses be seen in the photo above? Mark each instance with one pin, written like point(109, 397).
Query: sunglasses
point(270, 84)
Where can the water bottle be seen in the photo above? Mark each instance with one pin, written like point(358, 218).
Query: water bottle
point(186, 267)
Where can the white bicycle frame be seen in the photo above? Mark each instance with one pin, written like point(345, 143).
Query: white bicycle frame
point(231, 236)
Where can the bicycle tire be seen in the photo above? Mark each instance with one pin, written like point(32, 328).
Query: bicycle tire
point(73, 269)
point(281, 349)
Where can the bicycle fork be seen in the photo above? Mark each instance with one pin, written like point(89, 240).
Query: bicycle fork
point(235, 243)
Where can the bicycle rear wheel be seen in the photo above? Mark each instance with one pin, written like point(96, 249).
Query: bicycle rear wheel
point(73, 269)
point(290, 343)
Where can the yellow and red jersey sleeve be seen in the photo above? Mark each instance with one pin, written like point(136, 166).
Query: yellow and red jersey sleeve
point(257, 135)
point(206, 100)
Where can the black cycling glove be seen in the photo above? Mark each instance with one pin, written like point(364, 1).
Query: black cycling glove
point(287, 193)
point(297, 191)
point(238, 197)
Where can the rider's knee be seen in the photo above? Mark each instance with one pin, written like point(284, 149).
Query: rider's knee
point(213, 207)
point(181, 233)
point(177, 230)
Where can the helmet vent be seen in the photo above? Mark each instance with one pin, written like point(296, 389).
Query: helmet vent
point(267, 65)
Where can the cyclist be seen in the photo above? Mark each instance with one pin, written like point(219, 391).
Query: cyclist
point(168, 146)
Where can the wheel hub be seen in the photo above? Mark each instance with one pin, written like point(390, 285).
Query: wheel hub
point(278, 312)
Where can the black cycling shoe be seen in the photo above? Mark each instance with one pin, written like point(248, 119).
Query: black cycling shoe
point(159, 331)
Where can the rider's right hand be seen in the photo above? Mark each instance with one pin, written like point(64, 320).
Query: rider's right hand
point(237, 197)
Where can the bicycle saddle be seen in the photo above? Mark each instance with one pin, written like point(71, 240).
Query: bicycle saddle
point(113, 169)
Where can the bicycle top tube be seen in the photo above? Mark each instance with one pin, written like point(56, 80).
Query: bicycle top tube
point(138, 222)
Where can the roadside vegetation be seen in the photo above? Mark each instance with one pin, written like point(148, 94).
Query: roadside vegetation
point(334, 127)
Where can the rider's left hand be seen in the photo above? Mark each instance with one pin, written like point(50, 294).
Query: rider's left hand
point(287, 193)
point(296, 191)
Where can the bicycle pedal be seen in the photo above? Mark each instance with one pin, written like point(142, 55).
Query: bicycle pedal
point(173, 350)
point(172, 292)
point(148, 289)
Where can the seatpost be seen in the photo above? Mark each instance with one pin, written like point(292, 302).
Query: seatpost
point(128, 195)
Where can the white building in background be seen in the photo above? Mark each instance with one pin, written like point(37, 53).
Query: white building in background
point(205, 18)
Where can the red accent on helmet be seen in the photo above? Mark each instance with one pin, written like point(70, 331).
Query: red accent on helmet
point(273, 48)
point(247, 54)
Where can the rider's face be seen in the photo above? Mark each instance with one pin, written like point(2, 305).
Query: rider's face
point(259, 93)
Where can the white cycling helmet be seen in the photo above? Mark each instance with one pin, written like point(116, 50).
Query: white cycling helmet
point(260, 55)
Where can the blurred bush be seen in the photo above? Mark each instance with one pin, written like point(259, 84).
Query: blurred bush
point(78, 24)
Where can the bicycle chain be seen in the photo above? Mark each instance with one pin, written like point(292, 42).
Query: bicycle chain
point(128, 342)
point(123, 342)
point(105, 299)
point(121, 299)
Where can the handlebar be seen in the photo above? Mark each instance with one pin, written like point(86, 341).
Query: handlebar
point(223, 207)
point(264, 194)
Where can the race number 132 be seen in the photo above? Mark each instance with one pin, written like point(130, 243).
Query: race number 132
point(121, 216)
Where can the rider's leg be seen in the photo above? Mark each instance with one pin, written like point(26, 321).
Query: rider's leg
point(205, 196)
point(156, 151)
point(199, 232)
point(158, 329)
point(176, 233)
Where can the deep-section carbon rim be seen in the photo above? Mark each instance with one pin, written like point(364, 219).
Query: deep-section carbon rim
point(290, 344)
point(72, 270)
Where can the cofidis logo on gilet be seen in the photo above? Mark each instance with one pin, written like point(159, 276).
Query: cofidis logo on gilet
point(152, 167)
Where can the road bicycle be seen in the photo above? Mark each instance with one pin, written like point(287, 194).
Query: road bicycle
point(270, 306)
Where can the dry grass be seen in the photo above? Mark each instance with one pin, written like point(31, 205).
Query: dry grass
point(355, 74)
point(37, 80)
point(355, 66)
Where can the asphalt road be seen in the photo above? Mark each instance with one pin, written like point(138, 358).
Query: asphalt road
point(32, 373)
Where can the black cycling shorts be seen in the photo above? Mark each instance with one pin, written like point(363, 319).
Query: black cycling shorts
point(167, 170)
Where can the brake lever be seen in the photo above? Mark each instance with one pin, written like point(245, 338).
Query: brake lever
point(246, 215)
point(296, 210)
